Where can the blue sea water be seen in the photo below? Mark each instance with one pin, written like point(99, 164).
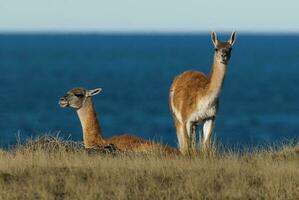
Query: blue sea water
point(258, 105)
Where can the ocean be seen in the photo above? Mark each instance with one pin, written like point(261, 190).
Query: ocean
point(258, 104)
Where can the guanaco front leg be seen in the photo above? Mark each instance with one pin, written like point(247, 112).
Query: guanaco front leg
point(208, 128)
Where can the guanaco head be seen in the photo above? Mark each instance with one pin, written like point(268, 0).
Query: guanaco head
point(223, 49)
point(76, 97)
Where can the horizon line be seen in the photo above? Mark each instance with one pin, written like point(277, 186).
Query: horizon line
point(94, 32)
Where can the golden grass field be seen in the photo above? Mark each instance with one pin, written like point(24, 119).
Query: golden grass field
point(63, 170)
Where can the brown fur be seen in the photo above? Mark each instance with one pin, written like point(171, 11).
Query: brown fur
point(136, 144)
point(187, 88)
point(93, 134)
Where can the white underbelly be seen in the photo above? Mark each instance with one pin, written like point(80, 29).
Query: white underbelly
point(201, 115)
point(205, 109)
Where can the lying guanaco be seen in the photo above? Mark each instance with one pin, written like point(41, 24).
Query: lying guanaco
point(80, 100)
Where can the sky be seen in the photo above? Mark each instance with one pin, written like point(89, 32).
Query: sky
point(148, 15)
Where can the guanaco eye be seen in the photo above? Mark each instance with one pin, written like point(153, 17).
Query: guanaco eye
point(79, 95)
point(216, 49)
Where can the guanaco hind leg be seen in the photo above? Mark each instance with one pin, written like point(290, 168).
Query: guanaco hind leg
point(182, 136)
point(191, 136)
point(208, 128)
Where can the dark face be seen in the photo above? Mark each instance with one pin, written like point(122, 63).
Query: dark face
point(223, 52)
point(223, 49)
point(76, 97)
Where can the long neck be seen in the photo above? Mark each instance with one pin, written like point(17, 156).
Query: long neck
point(92, 133)
point(216, 77)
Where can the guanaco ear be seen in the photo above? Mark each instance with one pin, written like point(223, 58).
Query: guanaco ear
point(214, 38)
point(93, 92)
point(232, 38)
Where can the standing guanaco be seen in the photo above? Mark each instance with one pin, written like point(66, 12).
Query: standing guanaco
point(194, 97)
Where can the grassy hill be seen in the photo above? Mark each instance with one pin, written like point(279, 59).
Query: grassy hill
point(50, 168)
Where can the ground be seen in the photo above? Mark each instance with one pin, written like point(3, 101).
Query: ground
point(63, 170)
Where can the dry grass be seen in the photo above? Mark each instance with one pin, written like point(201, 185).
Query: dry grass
point(64, 171)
